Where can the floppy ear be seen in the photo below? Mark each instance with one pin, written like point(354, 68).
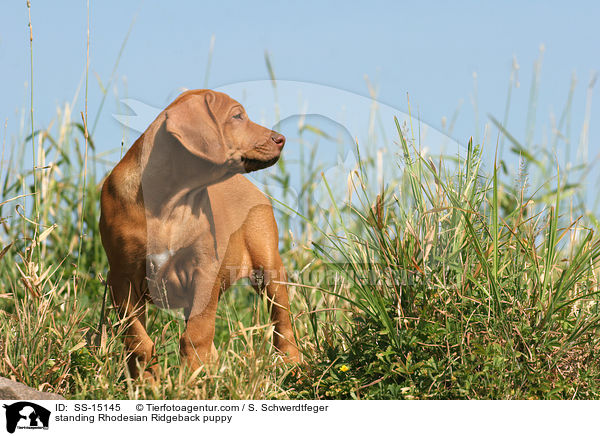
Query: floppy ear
point(193, 123)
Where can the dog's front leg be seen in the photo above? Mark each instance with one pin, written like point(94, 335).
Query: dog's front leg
point(196, 342)
point(283, 334)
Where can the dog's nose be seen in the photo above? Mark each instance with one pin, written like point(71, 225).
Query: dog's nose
point(278, 139)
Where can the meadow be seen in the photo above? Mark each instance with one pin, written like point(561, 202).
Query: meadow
point(443, 282)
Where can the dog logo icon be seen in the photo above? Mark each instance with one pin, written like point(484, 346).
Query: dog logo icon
point(26, 415)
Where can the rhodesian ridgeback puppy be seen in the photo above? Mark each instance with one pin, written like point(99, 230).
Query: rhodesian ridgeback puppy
point(180, 224)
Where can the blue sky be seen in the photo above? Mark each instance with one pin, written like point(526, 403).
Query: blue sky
point(429, 50)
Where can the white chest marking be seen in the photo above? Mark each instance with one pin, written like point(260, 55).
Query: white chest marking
point(156, 261)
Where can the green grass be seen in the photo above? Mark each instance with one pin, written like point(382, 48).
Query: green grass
point(447, 283)
point(466, 300)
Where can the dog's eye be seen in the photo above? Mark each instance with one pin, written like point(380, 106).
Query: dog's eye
point(238, 116)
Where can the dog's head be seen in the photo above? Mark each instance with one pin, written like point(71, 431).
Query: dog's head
point(216, 128)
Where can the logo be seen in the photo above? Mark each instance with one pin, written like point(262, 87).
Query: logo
point(26, 415)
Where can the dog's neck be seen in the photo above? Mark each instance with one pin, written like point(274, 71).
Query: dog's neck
point(171, 176)
point(174, 189)
point(184, 217)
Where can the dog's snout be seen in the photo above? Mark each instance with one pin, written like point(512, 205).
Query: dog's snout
point(278, 139)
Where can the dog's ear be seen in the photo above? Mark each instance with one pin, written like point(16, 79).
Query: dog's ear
point(193, 123)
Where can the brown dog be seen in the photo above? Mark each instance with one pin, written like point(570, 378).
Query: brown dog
point(180, 224)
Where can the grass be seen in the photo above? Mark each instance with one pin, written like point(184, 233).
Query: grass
point(445, 283)
point(465, 300)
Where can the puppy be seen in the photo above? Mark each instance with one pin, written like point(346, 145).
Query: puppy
point(180, 224)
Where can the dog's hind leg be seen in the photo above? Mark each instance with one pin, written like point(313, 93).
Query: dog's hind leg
point(138, 345)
